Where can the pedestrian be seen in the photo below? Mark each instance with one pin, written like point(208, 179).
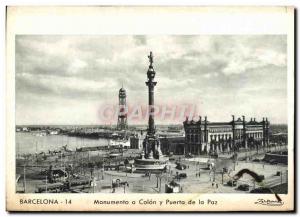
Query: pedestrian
point(196, 175)
point(217, 186)
point(199, 175)
point(212, 184)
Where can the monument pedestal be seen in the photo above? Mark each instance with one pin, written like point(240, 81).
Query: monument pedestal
point(152, 158)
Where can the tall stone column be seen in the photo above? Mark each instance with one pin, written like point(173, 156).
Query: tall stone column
point(151, 84)
point(151, 142)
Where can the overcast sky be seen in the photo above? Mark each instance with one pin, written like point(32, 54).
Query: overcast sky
point(67, 79)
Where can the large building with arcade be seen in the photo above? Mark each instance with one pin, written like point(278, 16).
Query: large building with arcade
point(205, 137)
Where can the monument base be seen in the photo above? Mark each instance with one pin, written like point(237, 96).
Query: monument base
point(151, 164)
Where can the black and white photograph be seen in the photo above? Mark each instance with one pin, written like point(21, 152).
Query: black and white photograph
point(152, 114)
point(87, 121)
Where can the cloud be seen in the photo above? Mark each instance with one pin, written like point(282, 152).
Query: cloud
point(210, 70)
point(76, 66)
point(251, 58)
point(68, 87)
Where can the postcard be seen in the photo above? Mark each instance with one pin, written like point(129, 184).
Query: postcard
point(118, 108)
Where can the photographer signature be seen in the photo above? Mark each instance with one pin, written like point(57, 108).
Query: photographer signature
point(269, 202)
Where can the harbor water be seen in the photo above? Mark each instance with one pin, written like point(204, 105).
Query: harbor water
point(29, 143)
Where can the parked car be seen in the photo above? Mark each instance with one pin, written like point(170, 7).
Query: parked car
point(243, 187)
point(180, 166)
point(189, 155)
point(182, 175)
point(231, 183)
point(170, 154)
point(261, 190)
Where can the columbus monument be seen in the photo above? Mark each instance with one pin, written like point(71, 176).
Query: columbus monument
point(151, 157)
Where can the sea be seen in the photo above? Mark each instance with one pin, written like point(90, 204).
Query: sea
point(31, 142)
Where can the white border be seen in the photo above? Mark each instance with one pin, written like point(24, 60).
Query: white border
point(90, 2)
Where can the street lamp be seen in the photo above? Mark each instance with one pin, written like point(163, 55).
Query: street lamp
point(158, 177)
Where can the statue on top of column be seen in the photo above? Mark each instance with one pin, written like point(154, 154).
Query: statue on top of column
point(150, 58)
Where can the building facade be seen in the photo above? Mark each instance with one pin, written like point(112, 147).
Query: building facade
point(205, 137)
point(172, 145)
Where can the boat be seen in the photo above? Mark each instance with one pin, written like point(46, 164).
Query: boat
point(40, 134)
point(53, 132)
point(115, 154)
point(119, 143)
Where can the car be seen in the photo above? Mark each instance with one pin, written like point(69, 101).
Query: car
point(231, 183)
point(172, 159)
point(261, 190)
point(180, 166)
point(170, 154)
point(189, 155)
point(243, 187)
point(182, 175)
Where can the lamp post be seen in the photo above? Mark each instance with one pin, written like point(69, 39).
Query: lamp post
point(24, 179)
point(160, 184)
point(222, 177)
point(46, 184)
point(94, 184)
point(214, 170)
point(102, 170)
